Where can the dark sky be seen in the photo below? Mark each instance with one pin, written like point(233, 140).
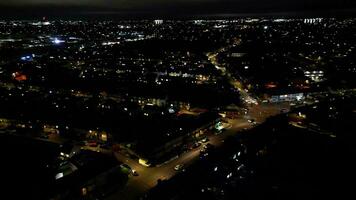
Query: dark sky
point(167, 7)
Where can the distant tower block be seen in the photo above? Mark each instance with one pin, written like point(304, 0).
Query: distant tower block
point(158, 21)
point(313, 20)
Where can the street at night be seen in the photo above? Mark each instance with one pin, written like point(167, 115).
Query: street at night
point(176, 100)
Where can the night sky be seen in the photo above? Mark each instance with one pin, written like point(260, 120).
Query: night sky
point(172, 7)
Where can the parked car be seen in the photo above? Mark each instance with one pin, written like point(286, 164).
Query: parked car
point(204, 140)
point(92, 144)
point(251, 120)
point(127, 167)
point(195, 145)
point(203, 150)
point(134, 172)
point(179, 167)
point(203, 155)
point(44, 136)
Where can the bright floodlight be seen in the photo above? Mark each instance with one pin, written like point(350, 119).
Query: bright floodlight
point(57, 41)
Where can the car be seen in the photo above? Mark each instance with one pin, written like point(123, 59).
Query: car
point(206, 147)
point(203, 155)
point(161, 180)
point(185, 147)
point(126, 166)
point(179, 167)
point(203, 150)
point(204, 140)
point(44, 136)
point(217, 132)
point(284, 110)
point(134, 172)
point(196, 145)
point(251, 120)
point(92, 144)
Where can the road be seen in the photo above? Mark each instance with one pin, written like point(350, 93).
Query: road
point(148, 176)
point(235, 83)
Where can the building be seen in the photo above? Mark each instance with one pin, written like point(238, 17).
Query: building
point(287, 97)
point(158, 21)
point(189, 128)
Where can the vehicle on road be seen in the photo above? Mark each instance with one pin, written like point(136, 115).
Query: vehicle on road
point(204, 140)
point(284, 110)
point(203, 150)
point(126, 167)
point(202, 155)
point(195, 145)
point(207, 146)
point(217, 132)
point(44, 136)
point(92, 144)
point(161, 180)
point(134, 172)
point(179, 167)
point(251, 121)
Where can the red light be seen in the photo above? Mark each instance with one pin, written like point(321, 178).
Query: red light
point(19, 77)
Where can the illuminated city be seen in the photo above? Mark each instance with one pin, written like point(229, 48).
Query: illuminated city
point(193, 108)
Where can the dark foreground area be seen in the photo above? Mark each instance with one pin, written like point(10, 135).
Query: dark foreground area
point(272, 161)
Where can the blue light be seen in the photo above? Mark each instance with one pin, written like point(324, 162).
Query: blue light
point(57, 41)
point(27, 58)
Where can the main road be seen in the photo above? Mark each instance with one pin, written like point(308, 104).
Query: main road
point(148, 176)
